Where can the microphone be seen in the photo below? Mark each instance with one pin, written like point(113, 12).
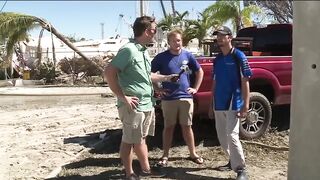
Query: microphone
point(181, 72)
point(184, 68)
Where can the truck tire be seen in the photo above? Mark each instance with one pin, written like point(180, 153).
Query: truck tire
point(259, 117)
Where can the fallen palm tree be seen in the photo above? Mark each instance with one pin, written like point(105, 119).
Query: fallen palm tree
point(14, 28)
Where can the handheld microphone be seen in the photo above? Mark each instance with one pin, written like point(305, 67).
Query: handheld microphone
point(181, 72)
point(183, 68)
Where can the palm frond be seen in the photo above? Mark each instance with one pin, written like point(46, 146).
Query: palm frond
point(20, 35)
point(14, 23)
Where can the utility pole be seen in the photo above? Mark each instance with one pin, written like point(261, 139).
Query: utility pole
point(141, 8)
point(102, 30)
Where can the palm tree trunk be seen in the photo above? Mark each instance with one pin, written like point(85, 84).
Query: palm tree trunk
point(39, 53)
point(67, 42)
point(53, 54)
point(238, 24)
point(163, 9)
point(173, 8)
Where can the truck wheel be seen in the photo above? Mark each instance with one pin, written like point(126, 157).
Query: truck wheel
point(259, 117)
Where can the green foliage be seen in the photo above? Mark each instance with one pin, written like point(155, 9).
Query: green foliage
point(45, 71)
point(170, 22)
point(224, 11)
point(167, 23)
point(199, 28)
point(73, 39)
point(14, 27)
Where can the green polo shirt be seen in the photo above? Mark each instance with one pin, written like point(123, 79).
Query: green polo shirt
point(134, 78)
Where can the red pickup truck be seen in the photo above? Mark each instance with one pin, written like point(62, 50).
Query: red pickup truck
point(269, 51)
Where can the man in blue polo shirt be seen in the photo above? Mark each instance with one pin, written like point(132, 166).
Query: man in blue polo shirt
point(230, 100)
point(177, 103)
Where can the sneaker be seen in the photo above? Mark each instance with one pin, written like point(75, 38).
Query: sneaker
point(153, 173)
point(241, 175)
point(226, 167)
point(132, 177)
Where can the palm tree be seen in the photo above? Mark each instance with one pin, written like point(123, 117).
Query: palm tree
point(230, 10)
point(14, 27)
point(168, 23)
point(13, 34)
point(179, 19)
point(39, 54)
point(199, 28)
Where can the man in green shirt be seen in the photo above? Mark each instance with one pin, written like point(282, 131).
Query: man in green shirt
point(130, 79)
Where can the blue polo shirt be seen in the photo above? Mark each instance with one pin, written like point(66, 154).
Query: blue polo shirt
point(167, 63)
point(228, 87)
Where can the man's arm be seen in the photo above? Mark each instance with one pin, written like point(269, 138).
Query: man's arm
point(161, 78)
point(211, 105)
point(111, 75)
point(197, 82)
point(245, 90)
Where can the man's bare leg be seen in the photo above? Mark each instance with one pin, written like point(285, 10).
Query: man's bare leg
point(167, 136)
point(141, 151)
point(188, 137)
point(126, 157)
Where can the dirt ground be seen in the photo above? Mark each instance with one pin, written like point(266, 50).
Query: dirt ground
point(57, 137)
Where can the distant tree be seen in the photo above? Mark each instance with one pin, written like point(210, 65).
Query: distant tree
point(224, 11)
point(279, 11)
point(71, 38)
point(14, 28)
point(167, 23)
point(170, 22)
point(180, 18)
point(198, 28)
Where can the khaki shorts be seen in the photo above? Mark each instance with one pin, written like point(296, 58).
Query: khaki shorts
point(180, 109)
point(136, 125)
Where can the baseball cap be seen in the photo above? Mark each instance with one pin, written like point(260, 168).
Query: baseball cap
point(222, 30)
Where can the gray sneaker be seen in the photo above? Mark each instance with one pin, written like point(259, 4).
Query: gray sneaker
point(242, 175)
point(226, 167)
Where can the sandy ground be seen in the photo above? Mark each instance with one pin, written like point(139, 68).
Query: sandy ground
point(39, 134)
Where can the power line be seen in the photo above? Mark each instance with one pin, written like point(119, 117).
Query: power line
point(3, 5)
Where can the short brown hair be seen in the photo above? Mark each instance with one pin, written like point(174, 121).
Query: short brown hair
point(141, 24)
point(173, 33)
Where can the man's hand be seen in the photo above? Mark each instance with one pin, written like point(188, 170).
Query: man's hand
point(172, 78)
point(161, 92)
point(130, 101)
point(243, 112)
point(192, 90)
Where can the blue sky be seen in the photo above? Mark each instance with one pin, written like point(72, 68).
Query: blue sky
point(84, 18)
